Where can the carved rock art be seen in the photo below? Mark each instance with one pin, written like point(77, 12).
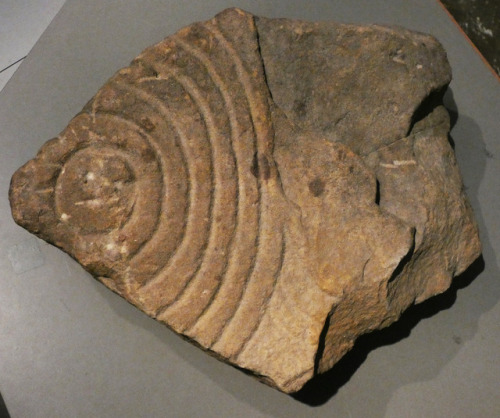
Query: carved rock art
point(270, 189)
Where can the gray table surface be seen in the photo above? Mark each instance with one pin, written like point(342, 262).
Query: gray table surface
point(71, 348)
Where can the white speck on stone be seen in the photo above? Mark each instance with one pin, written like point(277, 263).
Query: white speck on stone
point(404, 162)
point(90, 176)
point(65, 217)
point(484, 30)
point(398, 163)
point(91, 203)
point(419, 66)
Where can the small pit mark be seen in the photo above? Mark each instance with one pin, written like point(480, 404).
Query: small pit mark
point(317, 187)
point(147, 124)
point(341, 155)
point(488, 153)
point(457, 339)
point(150, 71)
point(377, 193)
point(299, 107)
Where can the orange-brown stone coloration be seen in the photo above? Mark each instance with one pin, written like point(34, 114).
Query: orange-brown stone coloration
point(270, 189)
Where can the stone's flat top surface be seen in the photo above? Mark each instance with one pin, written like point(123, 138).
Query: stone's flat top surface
point(138, 367)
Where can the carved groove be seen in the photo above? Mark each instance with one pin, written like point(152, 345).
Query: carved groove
point(264, 302)
point(244, 212)
point(93, 153)
point(161, 164)
point(193, 192)
point(208, 249)
point(167, 197)
point(255, 107)
point(216, 233)
point(256, 100)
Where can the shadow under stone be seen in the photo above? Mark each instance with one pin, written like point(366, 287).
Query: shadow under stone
point(320, 389)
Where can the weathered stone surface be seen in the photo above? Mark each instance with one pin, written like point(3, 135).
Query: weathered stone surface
point(270, 189)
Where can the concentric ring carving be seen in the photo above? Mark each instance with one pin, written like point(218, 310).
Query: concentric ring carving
point(214, 237)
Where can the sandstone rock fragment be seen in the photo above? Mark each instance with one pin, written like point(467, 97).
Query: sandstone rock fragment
point(271, 189)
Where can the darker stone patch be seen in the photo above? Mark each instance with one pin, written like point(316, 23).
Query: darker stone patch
point(299, 108)
point(317, 187)
point(260, 167)
point(341, 155)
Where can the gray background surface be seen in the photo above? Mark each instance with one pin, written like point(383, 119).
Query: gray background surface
point(70, 347)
